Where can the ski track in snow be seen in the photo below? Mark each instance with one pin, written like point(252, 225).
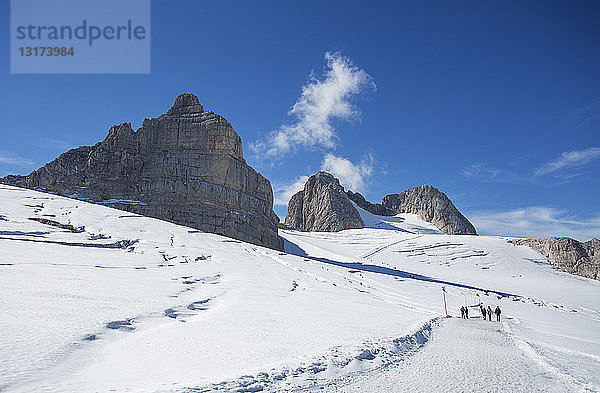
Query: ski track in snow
point(160, 307)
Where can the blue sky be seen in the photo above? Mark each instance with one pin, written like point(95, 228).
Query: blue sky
point(495, 103)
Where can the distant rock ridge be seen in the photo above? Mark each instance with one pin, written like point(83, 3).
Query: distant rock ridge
point(427, 202)
point(570, 255)
point(593, 244)
point(322, 206)
point(186, 167)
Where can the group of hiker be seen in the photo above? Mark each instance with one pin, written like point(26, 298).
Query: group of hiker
point(485, 312)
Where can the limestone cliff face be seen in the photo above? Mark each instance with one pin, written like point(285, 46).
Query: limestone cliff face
point(568, 254)
point(322, 206)
point(185, 166)
point(427, 202)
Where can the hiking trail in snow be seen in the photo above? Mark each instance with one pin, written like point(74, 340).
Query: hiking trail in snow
point(466, 355)
point(445, 354)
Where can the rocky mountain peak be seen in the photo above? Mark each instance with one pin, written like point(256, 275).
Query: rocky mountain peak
point(185, 166)
point(324, 200)
point(325, 178)
point(186, 103)
point(594, 243)
point(322, 206)
point(427, 202)
point(121, 133)
point(431, 205)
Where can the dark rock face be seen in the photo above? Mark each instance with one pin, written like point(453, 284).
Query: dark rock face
point(374, 208)
point(568, 254)
point(185, 166)
point(295, 215)
point(322, 206)
point(425, 201)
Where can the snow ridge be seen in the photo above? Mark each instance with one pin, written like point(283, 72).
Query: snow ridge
point(332, 369)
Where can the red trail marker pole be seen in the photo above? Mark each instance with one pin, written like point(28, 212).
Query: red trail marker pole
point(445, 307)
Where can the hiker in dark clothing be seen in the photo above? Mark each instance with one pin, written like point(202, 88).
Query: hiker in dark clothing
point(467, 312)
point(498, 312)
point(489, 312)
point(462, 311)
point(482, 309)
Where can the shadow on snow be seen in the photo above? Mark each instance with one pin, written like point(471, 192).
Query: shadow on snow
point(294, 249)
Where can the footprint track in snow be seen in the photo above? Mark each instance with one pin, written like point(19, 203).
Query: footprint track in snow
point(338, 362)
point(180, 313)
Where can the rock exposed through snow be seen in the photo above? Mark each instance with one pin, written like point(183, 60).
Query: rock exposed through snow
point(568, 254)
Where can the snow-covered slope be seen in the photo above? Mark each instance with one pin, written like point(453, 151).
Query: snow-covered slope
point(113, 300)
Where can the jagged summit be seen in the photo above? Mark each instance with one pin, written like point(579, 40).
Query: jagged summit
point(427, 202)
point(186, 167)
point(120, 131)
point(322, 206)
point(593, 243)
point(431, 205)
point(186, 103)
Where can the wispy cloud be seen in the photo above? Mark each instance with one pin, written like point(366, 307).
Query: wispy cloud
point(54, 144)
point(584, 115)
point(283, 192)
point(487, 174)
point(352, 176)
point(322, 100)
point(535, 221)
point(569, 159)
point(14, 159)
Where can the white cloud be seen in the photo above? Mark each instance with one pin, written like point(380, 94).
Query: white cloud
point(352, 176)
point(321, 101)
point(535, 221)
point(569, 159)
point(13, 159)
point(284, 192)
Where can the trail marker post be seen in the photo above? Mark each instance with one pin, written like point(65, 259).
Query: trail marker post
point(444, 294)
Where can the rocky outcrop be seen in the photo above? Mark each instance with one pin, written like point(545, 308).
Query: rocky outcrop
point(568, 254)
point(427, 202)
point(592, 245)
point(374, 208)
point(322, 206)
point(185, 166)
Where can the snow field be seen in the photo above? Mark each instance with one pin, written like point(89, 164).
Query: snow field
point(97, 299)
